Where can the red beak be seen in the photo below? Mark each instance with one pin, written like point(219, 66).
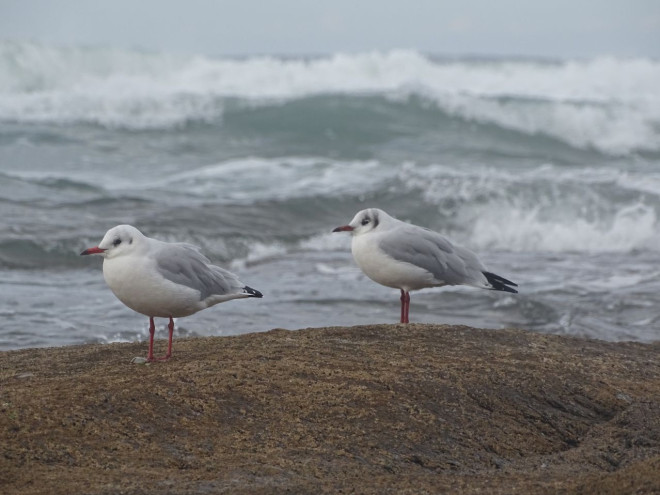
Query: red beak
point(344, 228)
point(94, 250)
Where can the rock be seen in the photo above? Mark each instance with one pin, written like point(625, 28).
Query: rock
point(369, 409)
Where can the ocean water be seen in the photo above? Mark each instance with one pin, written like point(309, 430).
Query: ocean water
point(549, 170)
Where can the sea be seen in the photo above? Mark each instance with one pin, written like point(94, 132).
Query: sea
point(548, 169)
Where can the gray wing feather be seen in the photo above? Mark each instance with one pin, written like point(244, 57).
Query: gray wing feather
point(183, 264)
point(429, 250)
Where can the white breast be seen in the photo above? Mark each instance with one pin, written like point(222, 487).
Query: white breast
point(137, 283)
point(385, 270)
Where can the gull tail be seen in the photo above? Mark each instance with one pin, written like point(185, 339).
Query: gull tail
point(500, 283)
point(250, 292)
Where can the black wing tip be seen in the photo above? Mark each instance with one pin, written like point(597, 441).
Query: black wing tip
point(252, 292)
point(500, 283)
point(506, 288)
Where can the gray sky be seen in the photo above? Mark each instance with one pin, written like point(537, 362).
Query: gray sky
point(552, 28)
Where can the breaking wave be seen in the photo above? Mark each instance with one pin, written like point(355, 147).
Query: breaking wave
point(606, 104)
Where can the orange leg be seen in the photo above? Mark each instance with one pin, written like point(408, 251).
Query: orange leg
point(152, 331)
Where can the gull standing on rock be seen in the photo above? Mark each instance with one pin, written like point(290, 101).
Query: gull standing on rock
point(162, 279)
point(407, 257)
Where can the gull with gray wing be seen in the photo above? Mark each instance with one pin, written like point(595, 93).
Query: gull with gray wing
point(162, 279)
point(407, 257)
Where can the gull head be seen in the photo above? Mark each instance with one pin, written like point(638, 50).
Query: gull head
point(118, 241)
point(365, 221)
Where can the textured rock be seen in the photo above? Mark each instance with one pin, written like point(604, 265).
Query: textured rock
point(369, 409)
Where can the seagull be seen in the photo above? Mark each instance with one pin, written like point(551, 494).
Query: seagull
point(407, 257)
point(163, 279)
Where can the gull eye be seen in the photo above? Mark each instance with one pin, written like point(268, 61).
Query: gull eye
point(365, 221)
point(116, 242)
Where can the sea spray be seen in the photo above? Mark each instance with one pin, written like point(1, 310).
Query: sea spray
point(607, 104)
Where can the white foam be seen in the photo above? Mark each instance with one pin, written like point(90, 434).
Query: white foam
point(245, 180)
point(633, 227)
point(259, 252)
point(287, 177)
point(543, 209)
point(612, 105)
point(330, 241)
point(616, 128)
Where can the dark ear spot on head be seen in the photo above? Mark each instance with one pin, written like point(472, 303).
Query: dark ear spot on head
point(130, 241)
point(375, 219)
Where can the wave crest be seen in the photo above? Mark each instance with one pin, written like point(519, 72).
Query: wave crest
point(632, 227)
point(611, 105)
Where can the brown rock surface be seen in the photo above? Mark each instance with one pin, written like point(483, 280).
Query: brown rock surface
point(370, 409)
